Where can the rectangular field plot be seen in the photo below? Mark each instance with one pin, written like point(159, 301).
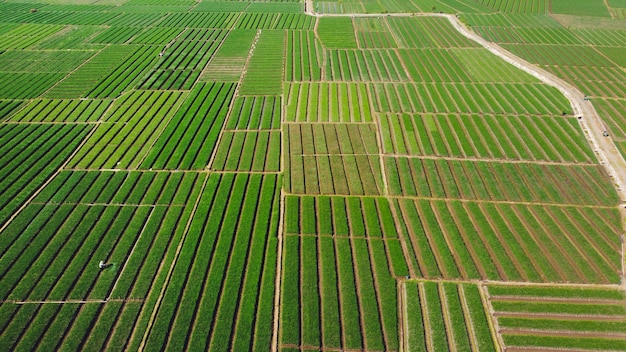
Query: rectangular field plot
point(606, 82)
point(15, 85)
point(109, 73)
point(445, 317)
point(182, 62)
point(330, 139)
point(481, 180)
point(364, 65)
point(69, 326)
point(29, 155)
point(255, 113)
point(26, 35)
point(66, 110)
point(373, 33)
point(221, 292)
point(518, 6)
point(327, 102)
point(531, 317)
point(434, 65)
point(188, 140)
point(132, 125)
point(452, 239)
point(121, 188)
point(483, 66)
point(336, 33)
point(485, 98)
point(338, 293)
point(55, 253)
point(218, 20)
point(350, 175)
point(427, 32)
point(266, 66)
point(566, 55)
point(533, 138)
point(332, 159)
point(304, 57)
point(42, 61)
point(340, 216)
point(257, 151)
point(230, 59)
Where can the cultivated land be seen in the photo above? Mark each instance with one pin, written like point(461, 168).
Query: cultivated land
point(421, 175)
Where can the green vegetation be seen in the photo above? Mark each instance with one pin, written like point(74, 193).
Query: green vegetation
point(255, 178)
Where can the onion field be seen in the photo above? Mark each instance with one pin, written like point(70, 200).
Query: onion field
point(282, 175)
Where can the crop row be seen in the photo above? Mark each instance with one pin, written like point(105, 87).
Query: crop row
point(256, 20)
point(336, 32)
point(598, 88)
point(188, 140)
point(26, 35)
point(68, 327)
point(373, 33)
point(116, 35)
point(15, 85)
point(255, 113)
point(131, 128)
point(157, 35)
point(340, 216)
point(327, 102)
point(453, 239)
point(8, 107)
point(331, 139)
point(364, 65)
point(73, 38)
point(141, 20)
point(84, 79)
point(225, 273)
point(30, 154)
point(610, 77)
point(42, 61)
point(446, 316)
point(559, 316)
point(182, 62)
point(498, 98)
point(517, 6)
point(487, 136)
point(499, 19)
point(229, 61)
point(338, 293)
point(56, 255)
point(248, 151)
point(66, 110)
point(297, 21)
point(481, 180)
point(611, 111)
point(434, 65)
point(266, 66)
point(199, 20)
point(304, 55)
point(427, 32)
point(121, 188)
point(83, 18)
point(566, 55)
point(334, 175)
point(603, 37)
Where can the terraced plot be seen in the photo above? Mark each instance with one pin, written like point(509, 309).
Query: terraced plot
point(567, 317)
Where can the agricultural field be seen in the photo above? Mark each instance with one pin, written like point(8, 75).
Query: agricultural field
point(244, 176)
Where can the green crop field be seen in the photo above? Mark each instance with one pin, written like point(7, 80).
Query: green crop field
point(291, 175)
